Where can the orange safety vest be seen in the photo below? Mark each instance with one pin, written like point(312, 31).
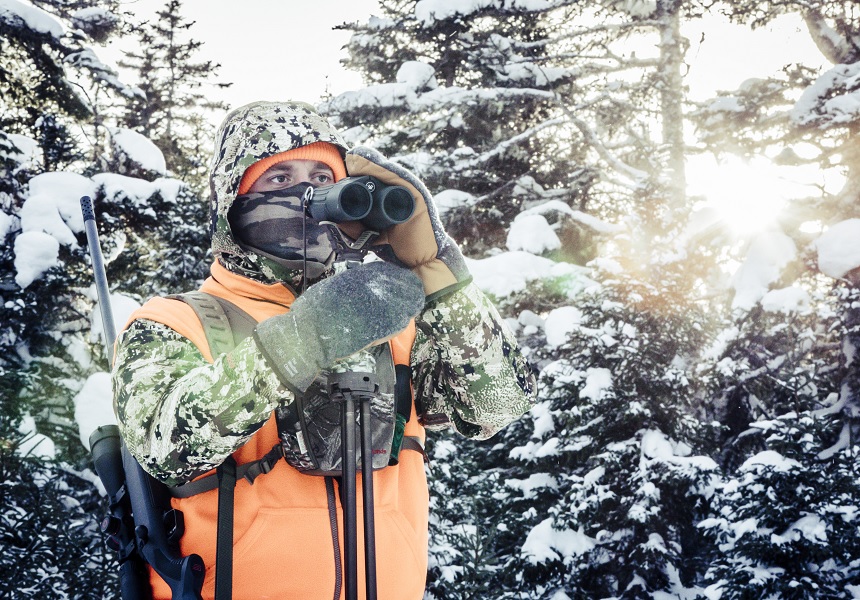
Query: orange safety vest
point(283, 526)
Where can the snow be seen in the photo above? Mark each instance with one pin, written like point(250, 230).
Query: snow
point(411, 77)
point(51, 215)
point(532, 74)
point(7, 222)
point(811, 527)
point(543, 421)
point(560, 323)
point(54, 205)
point(35, 253)
point(15, 13)
point(94, 406)
point(28, 150)
point(545, 543)
point(533, 234)
point(598, 383)
point(839, 248)
point(531, 486)
point(770, 459)
point(767, 256)
point(509, 272)
point(832, 100)
point(563, 208)
point(139, 149)
point(121, 307)
point(429, 11)
point(93, 16)
point(417, 75)
point(34, 443)
point(451, 199)
point(792, 299)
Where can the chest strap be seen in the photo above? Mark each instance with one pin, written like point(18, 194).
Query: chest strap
point(251, 470)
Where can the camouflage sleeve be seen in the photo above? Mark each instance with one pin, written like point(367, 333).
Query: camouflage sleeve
point(180, 415)
point(468, 370)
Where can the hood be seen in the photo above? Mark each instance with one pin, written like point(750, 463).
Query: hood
point(248, 134)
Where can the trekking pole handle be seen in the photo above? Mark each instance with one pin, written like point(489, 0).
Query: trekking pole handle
point(102, 289)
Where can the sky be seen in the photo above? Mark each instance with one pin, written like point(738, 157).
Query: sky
point(275, 49)
point(270, 49)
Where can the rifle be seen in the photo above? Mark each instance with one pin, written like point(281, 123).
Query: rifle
point(140, 525)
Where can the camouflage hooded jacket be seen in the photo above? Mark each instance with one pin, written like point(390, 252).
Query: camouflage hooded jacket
point(181, 415)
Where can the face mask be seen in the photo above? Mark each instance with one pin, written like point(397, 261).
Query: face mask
point(273, 224)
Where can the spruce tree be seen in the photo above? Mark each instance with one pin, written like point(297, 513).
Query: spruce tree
point(173, 110)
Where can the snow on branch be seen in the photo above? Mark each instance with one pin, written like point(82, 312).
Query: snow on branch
point(832, 101)
point(637, 176)
point(430, 11)
point(87, 60)
point(18, 15)
point(503, 146)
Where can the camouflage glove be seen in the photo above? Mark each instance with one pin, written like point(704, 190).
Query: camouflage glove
point(421, 243)
point(336, 318)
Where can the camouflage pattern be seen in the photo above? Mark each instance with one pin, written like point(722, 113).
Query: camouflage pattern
point(273, 224)
point(467, 368)
point(248, 134)
point(181, 416)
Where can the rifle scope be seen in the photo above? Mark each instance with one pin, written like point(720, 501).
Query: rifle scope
point(378, 206)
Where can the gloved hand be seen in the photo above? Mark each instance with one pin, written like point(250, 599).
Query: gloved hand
point(421, 243)
point(336, 318)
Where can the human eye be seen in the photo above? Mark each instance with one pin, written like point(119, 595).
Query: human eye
point(279, 179)
point(322, 178)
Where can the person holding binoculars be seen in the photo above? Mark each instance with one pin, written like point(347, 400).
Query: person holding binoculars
point(289, 202)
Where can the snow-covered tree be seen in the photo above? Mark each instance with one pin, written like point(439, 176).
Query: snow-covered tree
point(173, 112)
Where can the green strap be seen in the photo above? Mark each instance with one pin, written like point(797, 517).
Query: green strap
point(224, 324)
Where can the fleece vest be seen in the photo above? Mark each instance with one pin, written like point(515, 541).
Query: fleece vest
point(283, 544)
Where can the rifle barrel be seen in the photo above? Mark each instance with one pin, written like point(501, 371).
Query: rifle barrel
point(102, 289)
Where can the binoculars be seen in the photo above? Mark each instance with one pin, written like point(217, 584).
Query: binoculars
point(366, 199)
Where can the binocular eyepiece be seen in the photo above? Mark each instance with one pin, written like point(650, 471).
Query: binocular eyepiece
point(366, 199)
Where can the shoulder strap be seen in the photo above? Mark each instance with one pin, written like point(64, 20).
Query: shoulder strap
point(224, 323)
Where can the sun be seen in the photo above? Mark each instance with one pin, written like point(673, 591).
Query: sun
point(747, 195)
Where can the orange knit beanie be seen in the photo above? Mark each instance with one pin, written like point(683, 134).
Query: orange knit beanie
point(319, 151)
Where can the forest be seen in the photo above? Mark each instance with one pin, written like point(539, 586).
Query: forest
point(694, 435)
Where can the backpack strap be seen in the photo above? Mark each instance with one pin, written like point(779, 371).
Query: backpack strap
point(225, 326)
point(226, 475)
point(224, 323)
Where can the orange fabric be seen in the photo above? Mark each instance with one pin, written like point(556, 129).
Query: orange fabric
point(320, 151)
point(282, 535)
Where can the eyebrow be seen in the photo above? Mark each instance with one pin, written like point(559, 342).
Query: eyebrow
point(285, 166)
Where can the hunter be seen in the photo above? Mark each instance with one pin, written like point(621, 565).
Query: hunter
point(183, 411)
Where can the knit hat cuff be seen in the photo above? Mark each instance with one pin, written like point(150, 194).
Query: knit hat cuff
point(323, 152)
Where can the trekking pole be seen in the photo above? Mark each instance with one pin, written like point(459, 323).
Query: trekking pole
point(350, 520)
point(136, 525)
point(349, 387)
point(367, 502)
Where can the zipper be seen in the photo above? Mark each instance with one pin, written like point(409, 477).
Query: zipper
point(332, 516)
